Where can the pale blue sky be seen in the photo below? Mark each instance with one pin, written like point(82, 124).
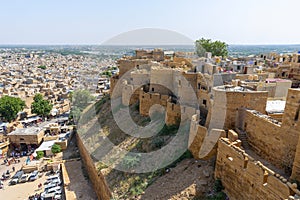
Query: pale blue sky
point(95, 21)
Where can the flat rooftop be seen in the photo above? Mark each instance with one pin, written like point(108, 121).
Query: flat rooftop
point(26, 131)
point(233, 88)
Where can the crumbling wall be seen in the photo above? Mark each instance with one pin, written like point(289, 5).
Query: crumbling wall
point(245, 178)
point(147, 100)
point(127, 64)
point(173, 113)
point(130, 94)
point(176, 112)
point(203, 143)
point(196, 138)
point(113, 83)
point(268, 140)
point(291, 123)
point(156, 54)
point(272, 140)
point(183, 61)
point(228, 102)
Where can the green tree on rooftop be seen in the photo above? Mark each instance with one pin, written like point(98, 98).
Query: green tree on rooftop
point(41, 106)
point(217, 48)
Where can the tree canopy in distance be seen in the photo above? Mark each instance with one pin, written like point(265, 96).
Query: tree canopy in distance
point(217, 48)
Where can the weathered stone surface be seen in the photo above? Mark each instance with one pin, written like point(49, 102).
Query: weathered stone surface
point(97, 179)
point(274, 141)
point(246, 180)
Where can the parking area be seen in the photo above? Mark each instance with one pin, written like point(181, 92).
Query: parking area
point(20, 190)
point(35, 187)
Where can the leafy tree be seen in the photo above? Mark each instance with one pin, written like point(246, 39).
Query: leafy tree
point(217, 48)
point(10, 106)
point(55, 149)
point(38, 97)
point(39, 154)
point(75, 114)
point(81, 99)
point(40, 106)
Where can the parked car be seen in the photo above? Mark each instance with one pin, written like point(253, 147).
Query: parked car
point(57, 196)
point(24, 178)
point(16, 178)
point(52, 192)
point(49, 186)
point(51, 179)
point(56, 181)
point(33, 176)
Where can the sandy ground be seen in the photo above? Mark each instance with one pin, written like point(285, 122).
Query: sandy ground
point(20, 191)
point(79, 187)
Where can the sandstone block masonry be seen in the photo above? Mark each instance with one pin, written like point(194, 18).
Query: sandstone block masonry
point(272, 140)
point(227, 101)
point(97, 179)
point(245, 178)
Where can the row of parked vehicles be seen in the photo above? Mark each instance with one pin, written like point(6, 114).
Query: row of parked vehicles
point(52, 187)
point(21, 177)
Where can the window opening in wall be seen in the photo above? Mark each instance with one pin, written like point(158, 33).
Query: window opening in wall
point(297, 114)
point(152, 89)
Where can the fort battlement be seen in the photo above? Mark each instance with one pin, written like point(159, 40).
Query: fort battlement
point(274, 141)
point(174, 111)
point(245, 178)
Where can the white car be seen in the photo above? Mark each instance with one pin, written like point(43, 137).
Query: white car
point(57, 196)
point(23, 178)
point(33, 176)
point(53, 180)
point(52, 192)
point(56, 181)
point(49, 186)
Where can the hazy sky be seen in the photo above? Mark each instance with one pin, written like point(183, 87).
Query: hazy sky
point(95, 21)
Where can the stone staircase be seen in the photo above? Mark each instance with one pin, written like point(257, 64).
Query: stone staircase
point(243, 137)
